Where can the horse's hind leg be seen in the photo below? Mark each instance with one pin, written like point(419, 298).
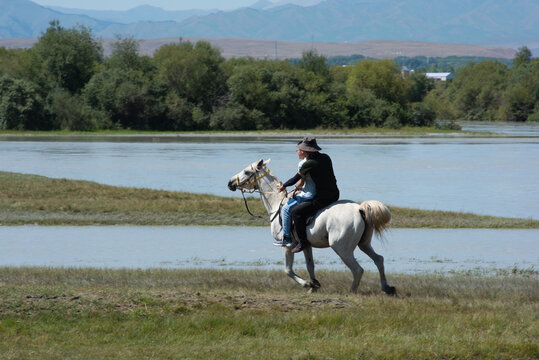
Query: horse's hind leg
point(350, 261)
point(365, 246)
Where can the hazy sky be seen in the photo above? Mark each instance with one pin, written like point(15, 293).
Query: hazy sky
point(165, 4)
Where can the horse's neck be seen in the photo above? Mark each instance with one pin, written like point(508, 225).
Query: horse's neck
point(270, 194)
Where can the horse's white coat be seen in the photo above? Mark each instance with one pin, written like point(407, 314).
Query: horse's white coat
point(339, 226)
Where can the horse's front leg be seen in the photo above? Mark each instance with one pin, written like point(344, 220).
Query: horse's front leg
point(309, 262)
point(288, 268)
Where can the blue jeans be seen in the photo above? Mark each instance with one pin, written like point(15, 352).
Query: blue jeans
point(287, 209)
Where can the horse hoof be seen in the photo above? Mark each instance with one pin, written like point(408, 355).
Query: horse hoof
point(390, 290)
point(315, 284)
point(312, 290)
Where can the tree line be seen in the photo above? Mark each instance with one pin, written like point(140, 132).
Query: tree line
point(421, 64)
point(65, 82)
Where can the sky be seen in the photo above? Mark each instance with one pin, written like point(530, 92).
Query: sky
point(164, 4)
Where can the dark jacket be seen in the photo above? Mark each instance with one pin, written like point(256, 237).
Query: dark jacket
point(320, 167)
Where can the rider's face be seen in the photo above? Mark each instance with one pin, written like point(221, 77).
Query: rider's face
point(301, 154)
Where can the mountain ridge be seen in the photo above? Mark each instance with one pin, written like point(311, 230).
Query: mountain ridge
point(136, 14)
point(481, 22)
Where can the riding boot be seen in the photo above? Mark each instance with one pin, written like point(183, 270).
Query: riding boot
point(301, 246)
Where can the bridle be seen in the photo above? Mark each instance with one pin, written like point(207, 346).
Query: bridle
point(252, 183)
point(252, 186)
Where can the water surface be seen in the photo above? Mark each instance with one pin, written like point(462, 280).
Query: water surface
point(497, 176)
point(404, 250)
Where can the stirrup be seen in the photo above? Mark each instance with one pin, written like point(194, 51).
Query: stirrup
point(288, 243)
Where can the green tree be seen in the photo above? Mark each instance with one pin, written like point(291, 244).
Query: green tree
point(381, 77)
point(235, 116)
point(376, 94)
point(250, 86)
point(65, 58)
point(127, 99)
point(125, 56)
point(438, 100)
point(193, 71)
point(20, 106)
point(418, 87)
point(288, 96)
point(311, 61)
point(69, 112)
point(179, 113)
point(521, 97)
point(15, 63)
point(523, 56)
point(477, 91)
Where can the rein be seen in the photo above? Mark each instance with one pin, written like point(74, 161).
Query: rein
point(258, 216)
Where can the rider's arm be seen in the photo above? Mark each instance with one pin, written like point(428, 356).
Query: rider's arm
point(293, 180)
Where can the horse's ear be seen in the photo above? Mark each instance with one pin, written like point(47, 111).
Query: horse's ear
point(260, 163)
point(267, 162)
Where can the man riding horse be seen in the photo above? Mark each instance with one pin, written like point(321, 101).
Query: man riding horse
point(320, 169)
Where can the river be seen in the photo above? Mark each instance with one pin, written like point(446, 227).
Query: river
point(495, 175)
point(405, 250)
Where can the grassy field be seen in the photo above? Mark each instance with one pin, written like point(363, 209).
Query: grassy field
point(232, 314)
point(32, 199)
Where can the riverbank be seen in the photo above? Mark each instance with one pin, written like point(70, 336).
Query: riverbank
point(32, 199)
point(367, 131)
point(371, 132)
point(225, 314)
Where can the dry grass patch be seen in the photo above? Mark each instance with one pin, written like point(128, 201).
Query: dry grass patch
point(32, 199)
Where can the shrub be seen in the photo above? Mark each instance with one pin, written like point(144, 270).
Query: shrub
point(20, 105)
point(534, 117)
point(422, 114)
point(70, 113)
point(238, 117)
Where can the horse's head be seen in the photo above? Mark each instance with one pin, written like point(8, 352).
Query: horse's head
point(247, 178)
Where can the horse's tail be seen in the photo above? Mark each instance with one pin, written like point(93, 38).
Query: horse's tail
point(376, 215)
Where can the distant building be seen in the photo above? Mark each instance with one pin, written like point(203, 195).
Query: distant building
point(440, 76)
point(405, 72)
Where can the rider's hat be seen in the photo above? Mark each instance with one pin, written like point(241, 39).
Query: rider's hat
point(309, 144)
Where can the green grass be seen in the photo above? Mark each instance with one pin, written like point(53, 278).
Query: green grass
point(371, 130)
point(32, 199)
point(233, 314)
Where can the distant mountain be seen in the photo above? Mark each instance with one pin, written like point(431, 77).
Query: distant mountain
point(266, 4)
point(137, 14)
point(23, 18)
point(459, 21)
point(481, 22)
point(261, 4)
point(292, 2)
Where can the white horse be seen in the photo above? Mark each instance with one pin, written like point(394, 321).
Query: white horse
point(342, 225)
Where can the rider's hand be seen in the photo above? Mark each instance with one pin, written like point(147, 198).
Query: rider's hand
point(282, 188)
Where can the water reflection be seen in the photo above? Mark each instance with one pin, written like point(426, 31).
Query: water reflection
point(405, 250)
